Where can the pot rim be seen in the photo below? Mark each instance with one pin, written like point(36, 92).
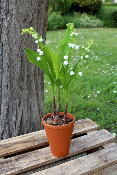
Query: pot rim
point(58, 127)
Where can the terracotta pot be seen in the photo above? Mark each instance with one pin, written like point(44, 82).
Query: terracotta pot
point(59, 137)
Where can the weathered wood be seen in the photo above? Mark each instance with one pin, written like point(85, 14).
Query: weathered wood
point(39, 138)
point(1, 159)
point(84, 126)
point(111, 170)
point(109, 145)
point(40, 157)
point(87, 165)
point(23, 143)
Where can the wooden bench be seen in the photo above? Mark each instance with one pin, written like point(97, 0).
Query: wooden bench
point(92, 151)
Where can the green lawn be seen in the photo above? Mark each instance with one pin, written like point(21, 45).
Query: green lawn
point(94, 94)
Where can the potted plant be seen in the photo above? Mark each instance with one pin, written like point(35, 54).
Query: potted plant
point(61, 73)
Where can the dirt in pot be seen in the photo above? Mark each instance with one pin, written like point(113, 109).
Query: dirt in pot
point(60, 120)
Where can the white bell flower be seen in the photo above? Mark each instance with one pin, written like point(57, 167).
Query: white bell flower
point(73, 45)
point(87, 56)
point(36, 41)
point(39, 50)
point(66, 57)
point(38, 59)
point(41, 53)
point(70, 45)
point(40, 40)
point(76, 47)
point(34, 35)
point(72, 73)
point(65, 62)
point(80, 73)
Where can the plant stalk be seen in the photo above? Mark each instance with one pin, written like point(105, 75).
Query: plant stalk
point(58, 97)
point(65, 112)
point(54, 108)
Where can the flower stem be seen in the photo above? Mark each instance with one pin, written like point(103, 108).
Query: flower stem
point(54, 107)
point(53, 91)
point(65, 112)
point(58, 110)
point(66, 94)
point(58, 97)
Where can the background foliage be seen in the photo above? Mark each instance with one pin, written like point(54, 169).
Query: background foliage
point(108, 14)
point(61, 6)
point(70, 6)
point(98, 13)
point(56, 21)
point(89, 6)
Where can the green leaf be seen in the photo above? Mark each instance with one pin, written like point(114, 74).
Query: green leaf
point(64, 47)
point(66, 38)
point(56, 62)
point(64, 43)
point(49, 60)
point(61, 52)
point(62, 75)
point(58, 82)
point(32, 56)
point(75, 70)
point(70, 78)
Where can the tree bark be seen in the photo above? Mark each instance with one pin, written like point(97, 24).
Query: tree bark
point(21, 82)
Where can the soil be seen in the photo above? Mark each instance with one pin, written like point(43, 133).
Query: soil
point(49, 120)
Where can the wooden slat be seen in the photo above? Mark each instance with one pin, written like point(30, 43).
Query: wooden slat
point(111, 170)
point(86, 165)
point(37, 158)
point(37, 139)
point(1, 159)
point(109, 145)
point(23, 143)
point(84, 126)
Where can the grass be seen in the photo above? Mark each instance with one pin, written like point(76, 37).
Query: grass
point(94, 94)
point(109, 3)
point(109, 8)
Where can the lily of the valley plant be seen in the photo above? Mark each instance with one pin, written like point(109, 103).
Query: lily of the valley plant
point(57, 66)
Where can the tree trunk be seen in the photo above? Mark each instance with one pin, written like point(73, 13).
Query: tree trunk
point(21, 82)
